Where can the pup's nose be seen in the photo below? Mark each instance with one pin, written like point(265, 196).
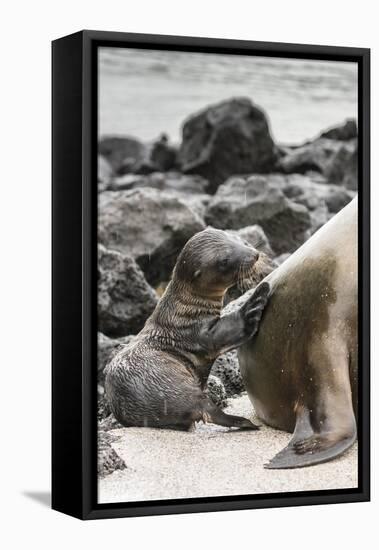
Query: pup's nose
point(253, 254)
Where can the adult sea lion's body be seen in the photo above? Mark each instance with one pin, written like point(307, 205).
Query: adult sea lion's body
point(159, 379)
point(301, 370)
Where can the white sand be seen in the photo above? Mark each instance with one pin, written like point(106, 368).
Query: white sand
point(212, 461)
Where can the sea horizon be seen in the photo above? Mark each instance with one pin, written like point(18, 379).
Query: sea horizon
point(144, 93)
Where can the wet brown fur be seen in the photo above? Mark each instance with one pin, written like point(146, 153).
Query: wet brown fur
point(159, 379)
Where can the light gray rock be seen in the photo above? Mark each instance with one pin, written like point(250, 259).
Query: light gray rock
point(104, 173)
point(189, 188)
point(259, 199)
point(336, 159)
point(311, 190)
point(198, 204)
point(312, 156)
point(176, 182)
point(150, 226)
point(321, 198)
point(125, 300)
point(255, 236)
point(118, 150)
point(231, 137)
point(242, 201)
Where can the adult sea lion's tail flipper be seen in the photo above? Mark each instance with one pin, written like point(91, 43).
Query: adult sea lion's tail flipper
point(308, 446)
point(325, 421)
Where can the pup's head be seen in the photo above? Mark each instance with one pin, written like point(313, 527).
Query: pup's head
point(213, 261)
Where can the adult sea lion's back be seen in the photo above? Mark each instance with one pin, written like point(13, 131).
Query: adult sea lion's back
point(301, 370)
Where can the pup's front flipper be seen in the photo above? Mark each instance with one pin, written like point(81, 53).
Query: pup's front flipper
point(252, 310)
point(230, 331)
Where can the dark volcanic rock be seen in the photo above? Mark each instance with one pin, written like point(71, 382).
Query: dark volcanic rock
point(232, 137)
point(347, 130)
point(336, 160)
point(158, 156)
point(108, 460)
point(260, 200)
point(142, 167)
point(163, 155)
point(227, 369)
point(216, 391)
point(241, 202)
point(322, 199)
point(342, 168)
point(319, 216)
point(305, 191)
point(119, 150)
point(106, 349)
point(337, 198)
point(282, 258)
point(125, 300)
point(103, 409)
point(287, 229)
point(149, 225)
point(109, 423)
point(314, 155)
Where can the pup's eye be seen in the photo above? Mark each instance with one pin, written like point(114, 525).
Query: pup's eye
point(223, 263)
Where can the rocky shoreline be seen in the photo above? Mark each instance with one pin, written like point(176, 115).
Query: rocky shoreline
point(229, 173)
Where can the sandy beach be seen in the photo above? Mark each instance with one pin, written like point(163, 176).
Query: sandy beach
point(212, 461)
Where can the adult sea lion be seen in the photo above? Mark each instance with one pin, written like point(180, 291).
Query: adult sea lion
point(159, 379)
point(301, 370)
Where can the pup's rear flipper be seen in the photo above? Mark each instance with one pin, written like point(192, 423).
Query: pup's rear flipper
point(308, 447)
point(211, 413)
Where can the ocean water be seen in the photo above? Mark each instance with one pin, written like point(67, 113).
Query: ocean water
point(143, 93)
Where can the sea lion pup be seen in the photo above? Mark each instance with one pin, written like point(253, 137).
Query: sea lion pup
point(301, 370)
point(159, 379)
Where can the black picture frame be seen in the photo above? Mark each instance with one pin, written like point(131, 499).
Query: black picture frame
point(74, 207)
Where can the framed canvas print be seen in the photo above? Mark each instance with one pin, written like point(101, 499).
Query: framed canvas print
point(210, 275)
